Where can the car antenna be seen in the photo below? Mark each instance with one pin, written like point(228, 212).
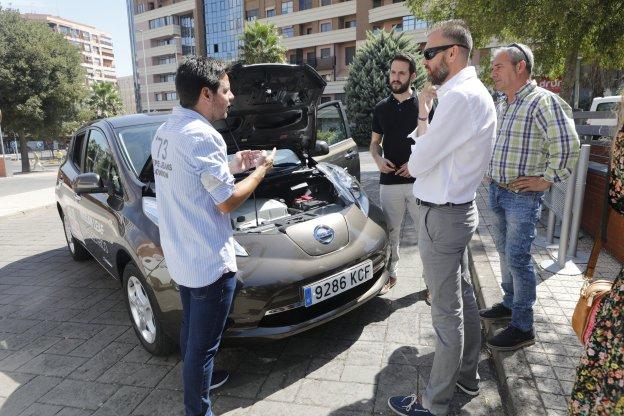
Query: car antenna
point(253, 194)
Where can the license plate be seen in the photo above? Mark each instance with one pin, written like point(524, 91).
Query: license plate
point(338, 283)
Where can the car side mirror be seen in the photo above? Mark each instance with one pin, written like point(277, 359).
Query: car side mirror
point(88, 183)
point(321, 148)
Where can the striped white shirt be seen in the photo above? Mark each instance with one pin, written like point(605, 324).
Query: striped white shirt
point(193, 176)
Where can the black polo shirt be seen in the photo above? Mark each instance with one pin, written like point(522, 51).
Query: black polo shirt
point(394, 121)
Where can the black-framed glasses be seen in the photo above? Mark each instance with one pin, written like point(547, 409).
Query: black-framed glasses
point(430, 53)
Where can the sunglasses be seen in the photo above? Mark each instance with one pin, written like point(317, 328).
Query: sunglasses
point(430, 53)
point(521, 49)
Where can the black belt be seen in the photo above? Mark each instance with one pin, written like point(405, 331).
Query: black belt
point(448, 204)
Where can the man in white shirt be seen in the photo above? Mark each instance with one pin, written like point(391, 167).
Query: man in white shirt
point(196, 192)
point(448, 160)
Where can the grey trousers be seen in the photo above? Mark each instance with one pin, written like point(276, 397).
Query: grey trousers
point(443, 240)
point(395, 200)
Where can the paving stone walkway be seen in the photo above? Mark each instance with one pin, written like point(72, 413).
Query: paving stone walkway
point(538, 379)
point(67, 347)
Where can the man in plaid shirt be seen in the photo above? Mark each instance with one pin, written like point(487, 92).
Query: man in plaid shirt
point(536, 145)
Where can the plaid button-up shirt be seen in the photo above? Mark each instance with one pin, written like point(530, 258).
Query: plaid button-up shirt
point(536, 137)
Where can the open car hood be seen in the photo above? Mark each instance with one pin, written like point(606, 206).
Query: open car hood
point(274, 106)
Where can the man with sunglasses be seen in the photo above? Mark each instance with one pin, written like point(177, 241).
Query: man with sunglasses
point(448, 160)
point(394, 118)
point(536, 145)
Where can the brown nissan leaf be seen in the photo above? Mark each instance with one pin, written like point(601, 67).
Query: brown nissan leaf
point(310, 246)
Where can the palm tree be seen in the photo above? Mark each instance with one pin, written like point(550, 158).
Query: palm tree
point(261, 43)
point(104, 100)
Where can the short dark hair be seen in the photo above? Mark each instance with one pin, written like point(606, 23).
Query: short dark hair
point(195, 73)
point(407, 58)
point(455, 30)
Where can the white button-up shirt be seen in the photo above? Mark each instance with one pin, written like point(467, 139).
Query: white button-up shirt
point(450, 159)
point(193, 176)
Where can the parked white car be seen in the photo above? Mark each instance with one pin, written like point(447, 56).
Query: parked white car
point(610, 103)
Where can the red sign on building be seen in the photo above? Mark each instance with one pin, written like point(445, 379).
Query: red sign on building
point(553, 85)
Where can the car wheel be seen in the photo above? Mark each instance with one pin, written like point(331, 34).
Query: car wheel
point(143, 314)
point(76, 249)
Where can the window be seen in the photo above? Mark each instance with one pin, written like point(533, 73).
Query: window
point(97, 61)
point(163, 42)
point(308, 31)
point(325, 2)
point(287, 7)
point(330, 125)
point(349, 54)
point(162, 21)
point(167, 78)
point(305, 4)
point(140, 8)
point(325, 52)
point(411, 23)
point(350, 23)
point(76, 156)
point(216, 48)
point(166, 96)
point(326, 27)
point(99, 159)
point(251, 15)
point(165, 60)
point(311, 58)
point(325, 99)
point(377, 3)
point(398, 27)
point(270, 12)
point(288, 32)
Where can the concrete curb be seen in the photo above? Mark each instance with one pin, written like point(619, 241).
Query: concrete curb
point(517, 383)
point(28, 210)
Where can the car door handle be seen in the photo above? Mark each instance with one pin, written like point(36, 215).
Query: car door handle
point(77, 197)
point(350, 154)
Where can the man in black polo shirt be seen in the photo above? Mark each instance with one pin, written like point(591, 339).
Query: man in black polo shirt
point(394, 118)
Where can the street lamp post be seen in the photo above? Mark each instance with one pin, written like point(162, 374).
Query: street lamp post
point(145, 69)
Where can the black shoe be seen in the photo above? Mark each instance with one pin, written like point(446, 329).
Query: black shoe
point(219, 377)
point(497, 312)
point(510, 339)
point(469, 391)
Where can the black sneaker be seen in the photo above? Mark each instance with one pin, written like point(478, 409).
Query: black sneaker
point(219, 377)
point(469, 391)
point(510, 339)
point(497, 312)
point(408, 406)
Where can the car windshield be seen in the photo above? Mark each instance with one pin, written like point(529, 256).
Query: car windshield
point(136, 141)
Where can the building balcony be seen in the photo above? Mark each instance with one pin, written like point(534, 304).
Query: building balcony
point(322, 64)
point(158, 105)
point(168, 31)
point(180, 7)
point(335, 87)
point(391, 11)
point(157, 69)
point(323, 38)
point(417, 35)
point(162, 87)
point(161, 51)
point(312, 15)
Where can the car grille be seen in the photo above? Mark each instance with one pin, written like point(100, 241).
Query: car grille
point(303, 314)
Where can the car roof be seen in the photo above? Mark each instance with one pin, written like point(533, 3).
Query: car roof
point(136, 119)
point(610, 98)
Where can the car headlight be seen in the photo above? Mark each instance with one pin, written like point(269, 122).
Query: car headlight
point(150, 208)
point(347, 185)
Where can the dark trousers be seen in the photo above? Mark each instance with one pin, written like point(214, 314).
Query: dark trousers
point(205, 310)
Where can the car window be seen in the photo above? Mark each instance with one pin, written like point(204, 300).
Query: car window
point(136, 142)
point(99, 159)
point(330, 125)
point(606, 107)
point(77, 149)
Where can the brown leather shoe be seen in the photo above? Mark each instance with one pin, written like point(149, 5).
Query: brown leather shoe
point(389, 285)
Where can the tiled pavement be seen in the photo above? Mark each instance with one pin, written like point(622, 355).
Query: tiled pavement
point(67, 348)
point(539, 378)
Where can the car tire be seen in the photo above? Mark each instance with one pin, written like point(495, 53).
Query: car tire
point(143, 313)
point(75, 247)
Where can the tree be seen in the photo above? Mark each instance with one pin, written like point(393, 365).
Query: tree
point(42, 83)
point(104, 100)
point(261, 43)
point(368, 78)
point(560, 32)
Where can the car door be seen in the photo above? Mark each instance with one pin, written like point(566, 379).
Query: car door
point(332, 127)
point(69, 170)
point(100, 212)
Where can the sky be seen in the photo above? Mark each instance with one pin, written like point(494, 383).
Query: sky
point(106, 15)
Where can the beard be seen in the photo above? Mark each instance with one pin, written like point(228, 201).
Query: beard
point(399, 88)
point(439, 75)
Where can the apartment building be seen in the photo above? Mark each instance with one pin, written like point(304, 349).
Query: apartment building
point(125, 85)
point(326, 33)
point(162, 32)
point(96, 46)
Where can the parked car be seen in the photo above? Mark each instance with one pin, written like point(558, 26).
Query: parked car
point(310, 245)
point(610, 103)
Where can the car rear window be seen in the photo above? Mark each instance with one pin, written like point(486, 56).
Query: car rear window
point(136, 141)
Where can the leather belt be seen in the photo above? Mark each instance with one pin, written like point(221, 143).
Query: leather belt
point(448, 204)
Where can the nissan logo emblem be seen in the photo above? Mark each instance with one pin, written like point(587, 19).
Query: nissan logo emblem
point(323, 234)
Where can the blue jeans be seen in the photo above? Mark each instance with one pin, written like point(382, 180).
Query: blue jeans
point(204, 313)
point(515, 217)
